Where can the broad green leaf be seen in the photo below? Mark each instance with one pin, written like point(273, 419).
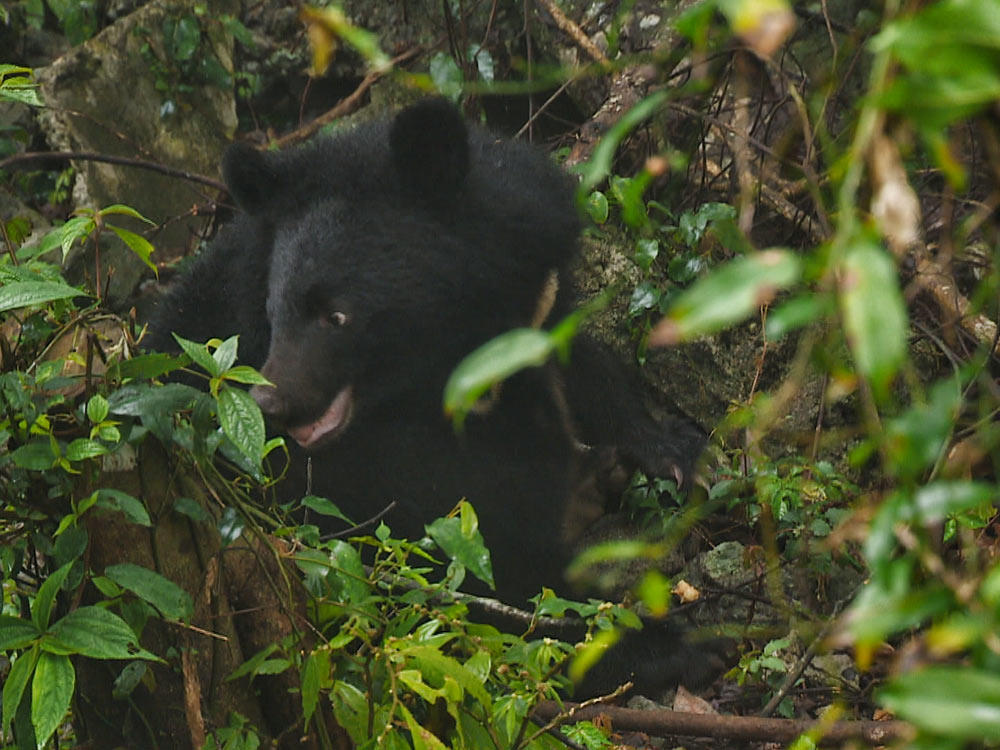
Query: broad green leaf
point(324, 507)
point(34, 456)
point(148, 366)
point(169, 598)
point(952, 701)
point(41, 608)
point(346, 576)
point(51, 692)
point(29, 293)
point(97, 408)
point(597, 207)
point(350, 707)
point(654, 591)
point(16, 633)
point(199, 354)
point(495, 360)
point(315, 676)
point(461, 541)
point(796, 313)
point(242, 422)
point(17, 680)
point(120, 501)
point(873, 312)
point(83, 448)
point(77, 228)
point(137, 244)
point(128, 679)
point(435, 666)
point(192, 509)
point(95, 633)
point(727, 296)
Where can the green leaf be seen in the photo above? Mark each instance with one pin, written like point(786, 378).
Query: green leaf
point(495, 360)
point(597, 207)
point(346, 573)
point(169, 598)
point(242, 422)
point(191, 509)
point(148, 366)
point(124, 503)
point(199, 354)
point(75, 229)
point(34, 456)
point(727, 296)
point(246, 375)
point(137, 244)
point(461, 540)
point(948, 700)
point(95, 633)
point(16, 633)
point(51, 692)
point(225, 353)
point(873, 311)
point(41, 608)
point(121, 208)
point(315, 675)
point(97, 408)
point(324, 507)
point(17, 680)
point(83, 448)
point(435, 666)
point(796, 313)
point(19, 294)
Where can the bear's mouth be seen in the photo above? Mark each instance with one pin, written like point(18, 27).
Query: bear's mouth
point(332, 422)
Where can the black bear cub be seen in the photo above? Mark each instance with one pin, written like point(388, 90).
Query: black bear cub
point(364, 266)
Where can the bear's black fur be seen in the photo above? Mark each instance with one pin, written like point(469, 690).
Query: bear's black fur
point(364, 266)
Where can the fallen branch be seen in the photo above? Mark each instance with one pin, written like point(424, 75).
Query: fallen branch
point(663, 723)
point(17, 161)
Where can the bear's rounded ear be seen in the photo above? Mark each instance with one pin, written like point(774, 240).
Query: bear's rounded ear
point(430, 147)
point(249, 177)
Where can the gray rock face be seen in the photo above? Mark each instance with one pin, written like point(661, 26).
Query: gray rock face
point(125, 93)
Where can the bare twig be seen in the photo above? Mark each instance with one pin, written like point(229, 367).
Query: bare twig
point(345, 106)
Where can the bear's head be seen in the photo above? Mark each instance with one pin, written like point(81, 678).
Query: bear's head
point(412, 243)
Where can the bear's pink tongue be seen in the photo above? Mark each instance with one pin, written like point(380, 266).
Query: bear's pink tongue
point(334, 419)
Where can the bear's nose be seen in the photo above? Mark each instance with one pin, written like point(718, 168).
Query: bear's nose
point(268, 399)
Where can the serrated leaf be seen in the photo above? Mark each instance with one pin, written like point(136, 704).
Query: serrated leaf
point(242, 422)
point(138, 244)
point(20, 294)
point(727, 296)
point(199, 354)
point(874, 312)
point(16, 633)
point(95, 633)
point(495, 360)
point(169, 598)
point(51, 691)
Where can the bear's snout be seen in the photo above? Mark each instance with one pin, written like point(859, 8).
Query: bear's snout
point(269, 400)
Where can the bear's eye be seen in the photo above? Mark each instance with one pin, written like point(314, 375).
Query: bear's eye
point(337, 319)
